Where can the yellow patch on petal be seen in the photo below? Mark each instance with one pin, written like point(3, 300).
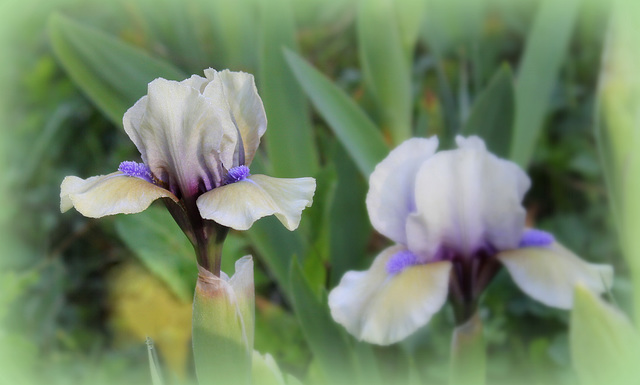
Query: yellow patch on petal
point(383, 309)
point(115, 193)
point(550, 274)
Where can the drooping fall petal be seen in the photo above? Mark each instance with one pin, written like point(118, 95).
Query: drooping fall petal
point(550, 274)
point(381, 308)
point(238, 205)
point(110, 194)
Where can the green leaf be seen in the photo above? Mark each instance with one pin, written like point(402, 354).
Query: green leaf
point(276, 246)
point(410, 15)
point(154, 364)
point(491, 117)
point(112, 73)
point(290, 142)
point(350, 124)
point(604, 345)
point(468, 356)
point(162, 247)
point(547, 45)
point(328, 344)
point(385, 65)
point(348, 211)
point(618, 132)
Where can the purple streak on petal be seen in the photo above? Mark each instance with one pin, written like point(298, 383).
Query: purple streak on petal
point(138, 170)
point(536, 238)
point(237, 174)
point(400, 261)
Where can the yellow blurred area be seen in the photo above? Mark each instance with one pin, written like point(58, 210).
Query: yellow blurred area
point(142, 306)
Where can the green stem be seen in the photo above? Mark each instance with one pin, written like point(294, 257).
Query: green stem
point(468, 356)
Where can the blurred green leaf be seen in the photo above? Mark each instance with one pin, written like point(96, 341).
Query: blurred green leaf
point(410, 15)
point(547, 45)
point(236, 23)
point(348, 211)
point(276, 246)
point(491, 117)
point(350, 124)
point(385, 65)
point(154, 364)
point(162, 247)
point(604, 346)
point(113, 74)
point(327, 342)
point(290, 142)
point(618, 132)
point(468, 355)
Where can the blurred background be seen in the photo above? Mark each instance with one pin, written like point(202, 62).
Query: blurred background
point(79, 296)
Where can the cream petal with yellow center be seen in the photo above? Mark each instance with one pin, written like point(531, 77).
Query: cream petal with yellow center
point(550, 274)
point(103, 195)
point(239, 204)
point(383, 309)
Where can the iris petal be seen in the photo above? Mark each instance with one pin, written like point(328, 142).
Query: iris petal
point(392, 184)
point(238, 205)
point(115, 193)
point(549, 274)
point(383, 309)
point(467, 199)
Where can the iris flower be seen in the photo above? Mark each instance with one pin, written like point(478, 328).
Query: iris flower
point(197, 139)
point(456, 217)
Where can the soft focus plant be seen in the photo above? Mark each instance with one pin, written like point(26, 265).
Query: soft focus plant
point(520, 75)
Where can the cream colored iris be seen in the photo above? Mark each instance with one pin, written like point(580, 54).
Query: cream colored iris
point(190, 134)
point(444, 207)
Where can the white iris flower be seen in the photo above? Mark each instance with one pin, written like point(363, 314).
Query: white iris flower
point(456, 217)
point(197, 139)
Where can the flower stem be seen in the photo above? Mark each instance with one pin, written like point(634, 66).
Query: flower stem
point(468, 356)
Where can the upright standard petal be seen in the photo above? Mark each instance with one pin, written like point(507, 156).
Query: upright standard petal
point(467, 199)
point(550, 274)
point(179, 133)
point(383, 309)
point(238, 205)
point(245, 108)
point(391, 196)
point(103, 195)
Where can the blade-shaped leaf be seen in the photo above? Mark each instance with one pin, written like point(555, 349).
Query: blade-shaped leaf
point(618, 132)
point(154, 363)
point(358, 134)
point(290, 143)
point(604, 346)
point(328, 344)
point(385, 65)
point(546, 48)
point(491, 117)
point(112, 73)
point(162, 247)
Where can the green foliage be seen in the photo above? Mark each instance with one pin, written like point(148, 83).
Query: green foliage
point(113, 74)
point(604, 345)
point(382, 71)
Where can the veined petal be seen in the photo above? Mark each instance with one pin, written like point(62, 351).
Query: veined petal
point(103, 195)
point(467, 199)
point(549, 274)
point(383, 309)
point(391, 196)
point(179, 133)
point(238, 205)
point(246, 109)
